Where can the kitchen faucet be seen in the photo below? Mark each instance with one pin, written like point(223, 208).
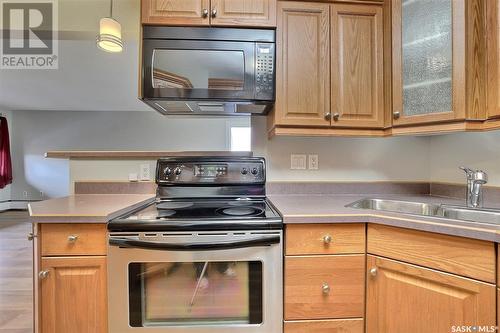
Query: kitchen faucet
point(475, 181)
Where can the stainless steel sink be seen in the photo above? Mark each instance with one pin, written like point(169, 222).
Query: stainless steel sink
point(490, 216)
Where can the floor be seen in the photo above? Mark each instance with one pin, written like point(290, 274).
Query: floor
point(16, 265)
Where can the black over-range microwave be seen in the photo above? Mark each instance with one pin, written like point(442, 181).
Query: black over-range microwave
point(210, 71)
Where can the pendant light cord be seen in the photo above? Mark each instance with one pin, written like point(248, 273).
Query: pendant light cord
point(111, 8)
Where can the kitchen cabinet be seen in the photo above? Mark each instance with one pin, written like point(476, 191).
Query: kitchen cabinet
point(259, 13)
point(303, 64)
point(439, 64)
point(330, 69)
point(357, 66)
point(70, 277)
point(493, 31)
point(73, 294)
point(408, 298)
point(324, 280)
point(176, 12)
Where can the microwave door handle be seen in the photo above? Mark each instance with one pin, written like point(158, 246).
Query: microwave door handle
point(139, 244)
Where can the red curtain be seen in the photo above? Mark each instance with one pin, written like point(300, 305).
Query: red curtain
point(5, 160)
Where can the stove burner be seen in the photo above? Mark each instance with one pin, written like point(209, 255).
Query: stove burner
point(173, 205)
point(240, 211)
point(165, 213)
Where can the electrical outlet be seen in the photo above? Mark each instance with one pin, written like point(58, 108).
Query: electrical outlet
point(313, 162)
point(145, 172)
point(298, 161)
point(25, 194)
point(42, 195)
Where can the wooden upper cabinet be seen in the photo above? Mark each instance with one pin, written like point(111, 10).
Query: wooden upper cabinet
point(303, 64)
point(411, 299)
point(357, 66)
point(261, 13)
point(73, 295)
point(493, 30)
point(176, 12)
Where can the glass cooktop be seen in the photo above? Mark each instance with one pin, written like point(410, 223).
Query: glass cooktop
point(203, 209)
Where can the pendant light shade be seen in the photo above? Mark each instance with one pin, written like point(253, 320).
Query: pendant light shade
point(110, 34)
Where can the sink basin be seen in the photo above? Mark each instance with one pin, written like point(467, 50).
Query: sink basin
point(490, 216)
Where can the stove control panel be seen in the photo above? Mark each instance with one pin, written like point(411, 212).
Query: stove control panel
point(211, 171)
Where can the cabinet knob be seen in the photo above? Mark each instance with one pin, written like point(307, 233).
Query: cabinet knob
point(327, 239)
point(336, 116)
point(31, 236)
point(328, 116)
point(43, 274)
point(72, 238)
point(396, 115)
point(204, 13)
point(325, 288)
point(373, 271)
point(214, 12)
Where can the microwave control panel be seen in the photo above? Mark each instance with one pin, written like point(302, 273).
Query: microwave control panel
point(264, 71)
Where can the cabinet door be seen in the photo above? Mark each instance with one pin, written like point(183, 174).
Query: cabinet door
point(260, 13)
point(357, 66)
point(303, 64)
point(428, 61)
point(73, 295)
point(176, 12)
point(493, 49)
point(411, 299)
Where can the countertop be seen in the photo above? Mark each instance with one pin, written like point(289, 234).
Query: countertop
point(311, 208)
point(331, 209)
point(86, 208)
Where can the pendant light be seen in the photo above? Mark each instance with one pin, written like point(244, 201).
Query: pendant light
point(110, 34)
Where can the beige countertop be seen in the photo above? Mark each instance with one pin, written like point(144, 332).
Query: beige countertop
point(322, 208)
point(86, 208)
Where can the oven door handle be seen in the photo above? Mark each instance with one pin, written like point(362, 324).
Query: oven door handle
point(139, 244)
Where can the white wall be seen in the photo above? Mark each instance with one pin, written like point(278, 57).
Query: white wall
point(36, 132)
point(475, 150)
point(344, 159)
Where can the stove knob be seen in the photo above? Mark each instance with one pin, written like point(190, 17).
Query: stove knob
point(255, 171)
point(244, 171)
point(178, 171)
point(167, 171)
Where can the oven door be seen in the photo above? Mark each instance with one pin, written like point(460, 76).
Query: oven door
point(198, 69)
point(195, 282)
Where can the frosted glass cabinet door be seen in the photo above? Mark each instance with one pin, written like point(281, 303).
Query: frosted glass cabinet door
point(424, 76)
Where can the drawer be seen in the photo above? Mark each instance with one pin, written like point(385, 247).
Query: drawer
point(457, 255)
point(312, 239)
point(73, 239)
point(324, 287)
point(325, 326)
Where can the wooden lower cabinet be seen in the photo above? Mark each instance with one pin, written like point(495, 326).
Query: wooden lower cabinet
point(325, 326)
point(324, 287)
point(73, 295)
point(411, 299)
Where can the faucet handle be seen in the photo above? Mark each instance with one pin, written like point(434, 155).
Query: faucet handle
point(468, 171)
point(480, 176)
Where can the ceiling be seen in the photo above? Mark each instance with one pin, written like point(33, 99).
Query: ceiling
point(88, 79)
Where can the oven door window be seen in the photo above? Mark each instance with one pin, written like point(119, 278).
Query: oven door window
point(198, 69)
point(195, 293)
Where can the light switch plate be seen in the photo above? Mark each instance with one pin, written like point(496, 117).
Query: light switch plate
point(145, 172)
point(298, 161)
point(313, 162)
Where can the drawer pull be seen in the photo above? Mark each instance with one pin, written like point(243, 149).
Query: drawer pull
point(72, 238)
point(325, 289)
point(43, 274)
point(373, 271)
point(327, 239)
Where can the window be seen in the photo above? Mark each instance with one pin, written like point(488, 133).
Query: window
point(241, 138)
